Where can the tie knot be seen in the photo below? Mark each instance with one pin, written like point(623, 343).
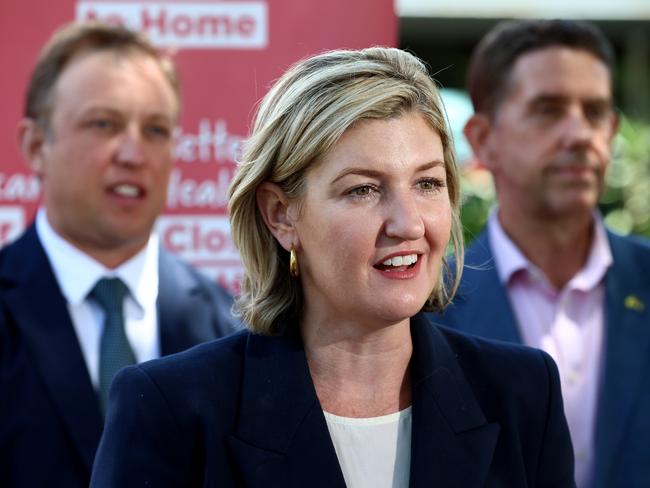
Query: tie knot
point(110, 293)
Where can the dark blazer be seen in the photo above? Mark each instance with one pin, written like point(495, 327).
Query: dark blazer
point(482, 307)
point(50, 421)
point(243, 412)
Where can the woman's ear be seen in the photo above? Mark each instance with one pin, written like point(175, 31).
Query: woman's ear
point(276, 210)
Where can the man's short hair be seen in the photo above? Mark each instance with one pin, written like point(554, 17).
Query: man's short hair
point(74, 39)
point(496, 54)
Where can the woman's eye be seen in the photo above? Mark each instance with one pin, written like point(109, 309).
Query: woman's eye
point(362, 191)
point(430, 184)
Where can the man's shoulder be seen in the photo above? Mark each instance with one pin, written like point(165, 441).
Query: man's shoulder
point(183, 273)
point(179, 278)
point(22, 255)
point(630, 253)
point(478, 264)
point(478, 252)
point(629, 241)
point(479, 267)
point(28, 237)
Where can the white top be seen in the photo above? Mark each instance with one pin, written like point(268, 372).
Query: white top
point(373, 452)
point(568, 324)
point(77, 273)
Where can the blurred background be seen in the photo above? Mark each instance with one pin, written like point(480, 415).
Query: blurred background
point(229, 51)
point(444, 34)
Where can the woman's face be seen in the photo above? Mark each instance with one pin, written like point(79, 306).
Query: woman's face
point(374, 222)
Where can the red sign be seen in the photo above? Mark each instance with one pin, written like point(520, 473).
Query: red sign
point(228, 53)
point(188, 25)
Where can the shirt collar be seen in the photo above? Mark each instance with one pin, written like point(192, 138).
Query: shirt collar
point(76, 272)
point(598, 261)
point(510, 259)
point(507, 256)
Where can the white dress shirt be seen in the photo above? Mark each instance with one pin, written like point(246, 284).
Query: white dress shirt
point(568, 324)
point(77, 273)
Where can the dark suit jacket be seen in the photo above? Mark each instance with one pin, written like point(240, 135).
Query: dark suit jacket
point(243, 412)
point(482, 307)
point(50, 421)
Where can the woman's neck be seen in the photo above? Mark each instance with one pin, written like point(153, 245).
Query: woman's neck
point(359, 373)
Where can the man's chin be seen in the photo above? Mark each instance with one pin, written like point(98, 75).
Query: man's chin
point(575, 205)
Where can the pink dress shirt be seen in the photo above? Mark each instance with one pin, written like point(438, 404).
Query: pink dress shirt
point(568, 324)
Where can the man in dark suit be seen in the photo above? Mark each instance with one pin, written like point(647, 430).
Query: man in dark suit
point(87, 289)
point(546, 272)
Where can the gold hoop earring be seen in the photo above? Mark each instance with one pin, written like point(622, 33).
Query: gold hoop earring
point(293, 264)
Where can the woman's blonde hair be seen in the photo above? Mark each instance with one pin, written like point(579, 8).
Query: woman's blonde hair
point(298, 121)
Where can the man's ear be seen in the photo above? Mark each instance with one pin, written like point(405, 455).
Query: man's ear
point(477, 132)
point(31, 139)
point(278, 214)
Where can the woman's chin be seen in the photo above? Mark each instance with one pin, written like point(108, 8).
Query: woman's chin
point(394, 313)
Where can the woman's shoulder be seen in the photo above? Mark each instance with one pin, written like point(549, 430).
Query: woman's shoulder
point(210, 366)
point(222, 350)
point(502, 367)
point(503, 375)
point(489, 350)
point(505, 361)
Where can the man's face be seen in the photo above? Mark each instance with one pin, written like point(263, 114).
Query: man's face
point(106, 156)
point(549, 142)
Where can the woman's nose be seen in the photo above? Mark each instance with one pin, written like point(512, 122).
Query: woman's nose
point(404, 218)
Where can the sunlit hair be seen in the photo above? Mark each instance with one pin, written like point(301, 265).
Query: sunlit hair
point(75, 39)
point(300, 119)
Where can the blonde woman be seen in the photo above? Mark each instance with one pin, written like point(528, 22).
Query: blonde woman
point(342, 208)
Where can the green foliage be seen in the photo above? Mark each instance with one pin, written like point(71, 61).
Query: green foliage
point(626, 200)
point(625, 204)
point(478, 197)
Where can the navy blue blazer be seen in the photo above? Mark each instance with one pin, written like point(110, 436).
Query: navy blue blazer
point(243, 412)
point(482, 307)
point(50, 420)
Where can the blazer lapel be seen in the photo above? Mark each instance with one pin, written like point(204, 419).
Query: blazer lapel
point(452, 443)
point(282, 437)
point(627, 350)
point(488, 312)
point(40, 311)
point(182, 308)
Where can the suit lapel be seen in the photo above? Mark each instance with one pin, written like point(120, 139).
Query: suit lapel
point(627, 349)
point(452, 443)
point(40, 311)
point(282, 437)
point(488, 312)
point(182, 308)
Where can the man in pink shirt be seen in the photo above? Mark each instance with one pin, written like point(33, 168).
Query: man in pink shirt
point(546, 272)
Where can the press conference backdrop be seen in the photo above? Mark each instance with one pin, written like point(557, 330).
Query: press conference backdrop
point(228, 53)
